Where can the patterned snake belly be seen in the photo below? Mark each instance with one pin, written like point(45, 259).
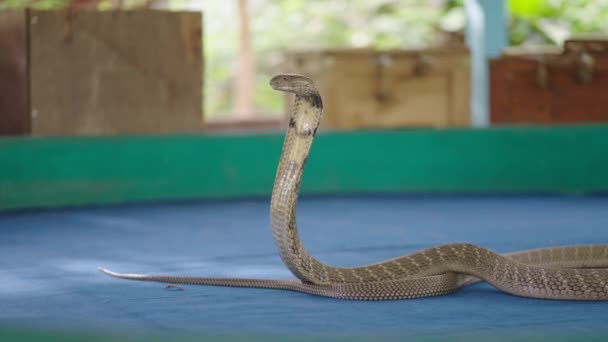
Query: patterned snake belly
point(572, 273)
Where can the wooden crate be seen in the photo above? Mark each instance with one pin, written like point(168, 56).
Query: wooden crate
point(551, 86)
point(96, 73)
point(365, 88)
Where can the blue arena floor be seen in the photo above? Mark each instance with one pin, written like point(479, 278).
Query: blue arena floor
point(49, 280)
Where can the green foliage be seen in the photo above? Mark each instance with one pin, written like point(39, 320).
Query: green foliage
point(553, 21)
point(527, 8)
point(37, 4)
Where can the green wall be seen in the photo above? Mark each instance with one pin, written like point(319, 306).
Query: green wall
point(47, 172)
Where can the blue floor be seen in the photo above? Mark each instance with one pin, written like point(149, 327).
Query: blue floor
point(48, 260)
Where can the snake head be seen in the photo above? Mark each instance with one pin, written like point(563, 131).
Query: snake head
point(293, 83)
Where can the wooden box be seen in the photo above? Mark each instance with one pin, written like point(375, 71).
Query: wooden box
point(556, 86)
point(89, 72)
point(364, 88)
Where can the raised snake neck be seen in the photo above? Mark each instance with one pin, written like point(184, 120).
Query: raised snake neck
point(573, 272)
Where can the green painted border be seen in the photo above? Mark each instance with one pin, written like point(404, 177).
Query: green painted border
point(66, 171)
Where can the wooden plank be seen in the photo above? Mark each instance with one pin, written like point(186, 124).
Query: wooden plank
point(575, 101)
point(460, 96)
point(364, 88)
point(122, 72)
point(519, 97)
point(14, 109)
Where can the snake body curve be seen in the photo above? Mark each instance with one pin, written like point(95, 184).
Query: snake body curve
point(567, 273)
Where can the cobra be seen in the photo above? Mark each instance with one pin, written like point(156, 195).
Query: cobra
point(566, 273)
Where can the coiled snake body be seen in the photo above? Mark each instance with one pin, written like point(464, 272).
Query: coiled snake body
point(574, 272)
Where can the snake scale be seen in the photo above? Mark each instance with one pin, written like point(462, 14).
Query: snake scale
point(570, 273)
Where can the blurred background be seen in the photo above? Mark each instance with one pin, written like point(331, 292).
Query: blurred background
point(245, 42)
